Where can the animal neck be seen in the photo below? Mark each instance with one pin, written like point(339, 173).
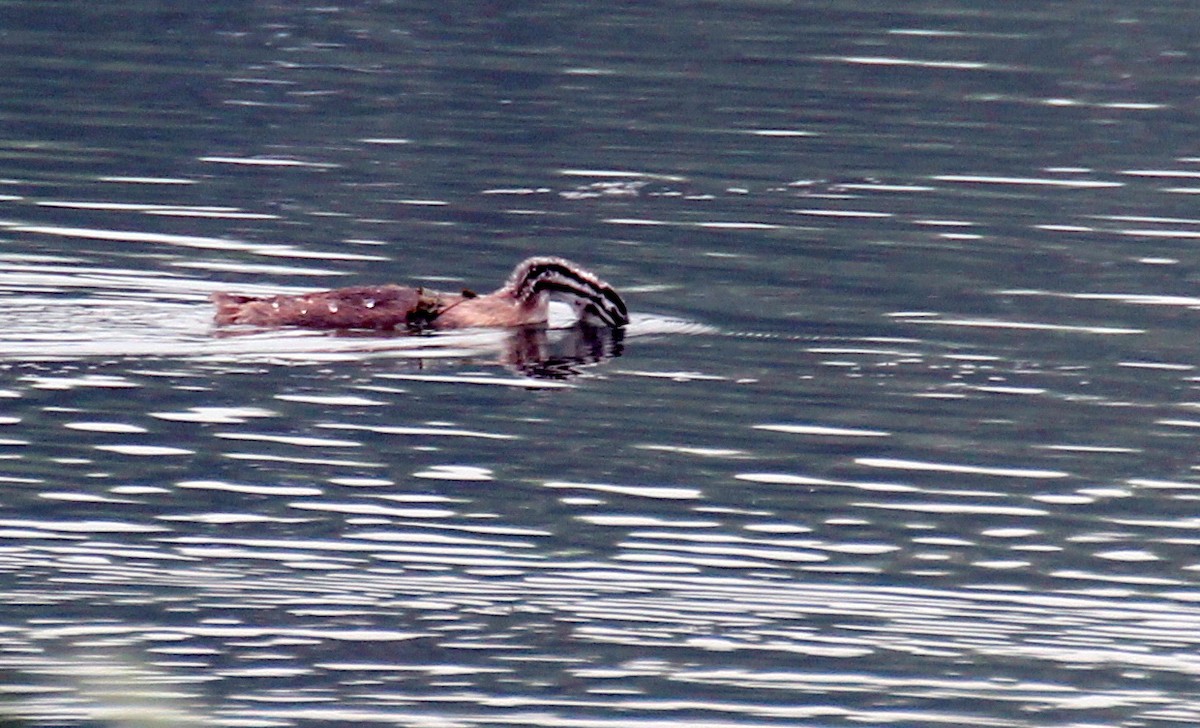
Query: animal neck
point(529, 301)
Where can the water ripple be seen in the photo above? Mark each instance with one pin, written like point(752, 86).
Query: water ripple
point(187, 241)
point(899, 464)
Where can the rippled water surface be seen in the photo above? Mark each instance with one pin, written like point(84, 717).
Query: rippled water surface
point(903, 432)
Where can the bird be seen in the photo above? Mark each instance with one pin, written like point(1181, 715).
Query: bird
point(522, 301)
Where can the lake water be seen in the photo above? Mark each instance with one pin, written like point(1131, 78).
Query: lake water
point(904, 431)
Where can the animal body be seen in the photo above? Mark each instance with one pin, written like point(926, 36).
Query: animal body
point(522, 301)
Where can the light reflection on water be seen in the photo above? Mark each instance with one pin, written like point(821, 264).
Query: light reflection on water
point(901, 432)
point(428, 568)
point(626, 631)
point(347, 543)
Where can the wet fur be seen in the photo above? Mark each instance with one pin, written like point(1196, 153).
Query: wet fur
point(522, 301)
point(357, 307)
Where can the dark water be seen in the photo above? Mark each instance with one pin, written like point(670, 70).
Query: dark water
point(904, 430)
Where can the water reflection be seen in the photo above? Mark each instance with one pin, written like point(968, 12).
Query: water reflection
point(929, 460)
point(542, 354)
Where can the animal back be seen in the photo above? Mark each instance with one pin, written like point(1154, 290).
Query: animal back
point(357, 307)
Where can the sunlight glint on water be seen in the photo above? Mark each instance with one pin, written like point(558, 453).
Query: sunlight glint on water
point(901, 432)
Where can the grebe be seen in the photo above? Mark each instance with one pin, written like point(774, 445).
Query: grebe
point(522, 301)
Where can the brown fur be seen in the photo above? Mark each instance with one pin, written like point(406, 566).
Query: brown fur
point(358, 307)
point(522, 301)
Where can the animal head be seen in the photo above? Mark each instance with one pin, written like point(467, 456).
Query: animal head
point(593, 300)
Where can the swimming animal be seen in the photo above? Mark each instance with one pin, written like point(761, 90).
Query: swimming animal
point(522, 301)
